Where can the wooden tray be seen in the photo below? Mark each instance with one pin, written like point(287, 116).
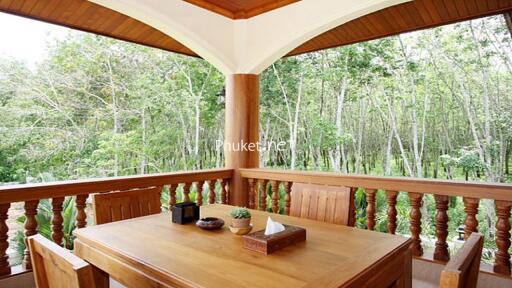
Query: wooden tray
point(259, 242)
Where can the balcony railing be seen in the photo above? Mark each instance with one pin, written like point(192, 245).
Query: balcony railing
point(260, 180)
point(217, 182)
point(279, 183)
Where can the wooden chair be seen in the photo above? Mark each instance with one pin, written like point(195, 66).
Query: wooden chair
point(122, 205)
point(462, 270)
point(330, 204)
point(55, 267)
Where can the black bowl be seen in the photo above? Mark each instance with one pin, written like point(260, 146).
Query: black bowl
point(210, 223)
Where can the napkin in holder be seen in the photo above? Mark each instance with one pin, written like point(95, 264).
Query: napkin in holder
point(275, 237)
point(273, 227)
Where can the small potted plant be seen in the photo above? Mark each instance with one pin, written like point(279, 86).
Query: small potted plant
point(240, 218)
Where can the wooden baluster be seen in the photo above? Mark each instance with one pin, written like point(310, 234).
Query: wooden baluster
point(353, 214)
point(252, 202)
point(274, 186)
point(172, 196)
point(263, 195)
point(471, 209)
point(5, 268)
point(502, 261)
point(391, 200)
point(81, 216)
point(223, 192)
point(212, 196)
point(57, 220)
point(199, 193)
point(287, 197)
point(370, 209)
point(416, 202)
point(186, 192)
point(441, 251)
point(30, 229)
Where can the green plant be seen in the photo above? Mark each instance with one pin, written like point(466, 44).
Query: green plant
point(240, 213)
point(44, 223)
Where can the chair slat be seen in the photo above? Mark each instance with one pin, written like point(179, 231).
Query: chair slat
point(55, 267)
point(122, 205)
point(320, 202)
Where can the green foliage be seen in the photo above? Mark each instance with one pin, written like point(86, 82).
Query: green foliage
point(240, 213)
point(44, 224)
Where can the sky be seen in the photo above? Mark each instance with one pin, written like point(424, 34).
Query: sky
point(25, 39)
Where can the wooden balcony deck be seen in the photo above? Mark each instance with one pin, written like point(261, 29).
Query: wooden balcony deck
point(265, 190)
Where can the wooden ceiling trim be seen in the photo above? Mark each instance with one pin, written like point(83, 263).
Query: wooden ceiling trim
point(240, 9)
point(406, 17)
point(89, 17)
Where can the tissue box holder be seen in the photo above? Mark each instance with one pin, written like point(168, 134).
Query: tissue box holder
point(259, 242)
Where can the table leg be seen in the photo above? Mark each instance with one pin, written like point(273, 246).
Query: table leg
point(101, 279)
point(405, 281)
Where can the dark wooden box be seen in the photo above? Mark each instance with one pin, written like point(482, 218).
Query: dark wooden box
point(259, 242)
point(186, 212)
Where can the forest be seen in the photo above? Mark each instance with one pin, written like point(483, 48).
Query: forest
point(429, 104)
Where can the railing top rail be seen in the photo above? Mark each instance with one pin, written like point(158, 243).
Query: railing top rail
point(496, 191)
point(27, 192)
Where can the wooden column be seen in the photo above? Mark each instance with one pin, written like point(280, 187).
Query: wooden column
point(441, 251)
point(241, 131)
point(252, 202)
point(471, 209)
point(370, 209)
point(416, 202)
point(57, 220)
point(5, 268)
point(502, 262)
point(392, 213)
point(30, 229)
point(199, 193)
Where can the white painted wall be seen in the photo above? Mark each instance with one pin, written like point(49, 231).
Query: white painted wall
point(245, 46)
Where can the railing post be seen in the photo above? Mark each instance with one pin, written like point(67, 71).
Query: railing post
point(211, 191)
point(391, 199)
point(241, 131)
point(5, 268)
point(370, 209)
point(353, 211)
point(471, 209)
point(186, 192)
point(81, 216)
point(57, 220)
point(274, 185)
point(416, 202)
point(287, 197)
point(263, 195)
point(199, 193)
point(441, 251)
point(252, 203)
point(30, 229)
point(172, 196)
point(502, 262)
point(223, 191)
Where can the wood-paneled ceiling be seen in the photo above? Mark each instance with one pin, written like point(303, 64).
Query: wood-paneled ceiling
point(240, 9)
point(90, 17)
point(419, 14)
point(410, 16)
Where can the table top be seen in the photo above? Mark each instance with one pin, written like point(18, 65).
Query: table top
point(186, 255)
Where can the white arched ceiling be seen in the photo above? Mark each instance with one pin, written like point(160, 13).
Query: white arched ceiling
point(245, 46)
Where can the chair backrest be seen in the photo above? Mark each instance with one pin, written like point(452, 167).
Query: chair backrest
point(323, 203)
point(122, 205)
point(55, 267)
point(462, 270)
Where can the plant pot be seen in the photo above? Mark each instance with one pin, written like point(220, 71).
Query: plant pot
point(240, 223)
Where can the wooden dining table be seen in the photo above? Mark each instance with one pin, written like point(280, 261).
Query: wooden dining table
point(152, 251)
